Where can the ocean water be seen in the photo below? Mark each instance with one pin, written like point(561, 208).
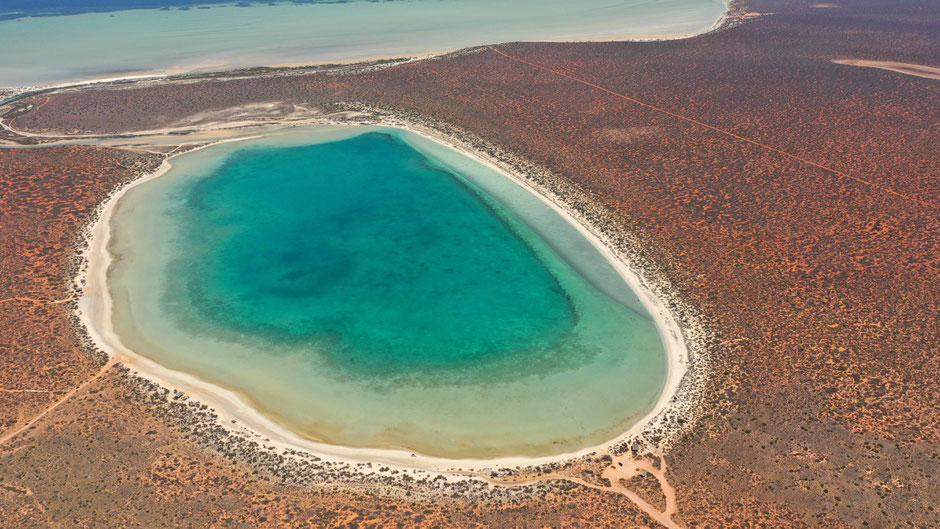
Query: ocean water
point(368, 287)
point(47, 42)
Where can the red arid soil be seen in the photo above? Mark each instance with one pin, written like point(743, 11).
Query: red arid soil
point(792, 202)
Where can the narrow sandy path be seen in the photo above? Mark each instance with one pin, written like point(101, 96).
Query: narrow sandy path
point(717, 129)
point(622, 467)
point(34, 300)
point(625, 467)
point(29, 493)
point(9, 125)
point(9, 435)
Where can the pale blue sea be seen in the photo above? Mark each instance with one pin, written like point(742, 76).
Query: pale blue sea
point(52, 41)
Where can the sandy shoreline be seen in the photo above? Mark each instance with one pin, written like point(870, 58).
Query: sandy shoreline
point(95, 308)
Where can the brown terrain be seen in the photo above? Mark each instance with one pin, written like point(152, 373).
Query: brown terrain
point(792, 202)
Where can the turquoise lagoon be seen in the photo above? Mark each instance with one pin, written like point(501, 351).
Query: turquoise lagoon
point(40, 50)
point(368, 287)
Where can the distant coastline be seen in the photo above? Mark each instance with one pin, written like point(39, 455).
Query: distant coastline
point(219, 62)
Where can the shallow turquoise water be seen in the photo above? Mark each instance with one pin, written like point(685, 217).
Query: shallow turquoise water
point(385, 268)
point(55, 49)
point(368, 287)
